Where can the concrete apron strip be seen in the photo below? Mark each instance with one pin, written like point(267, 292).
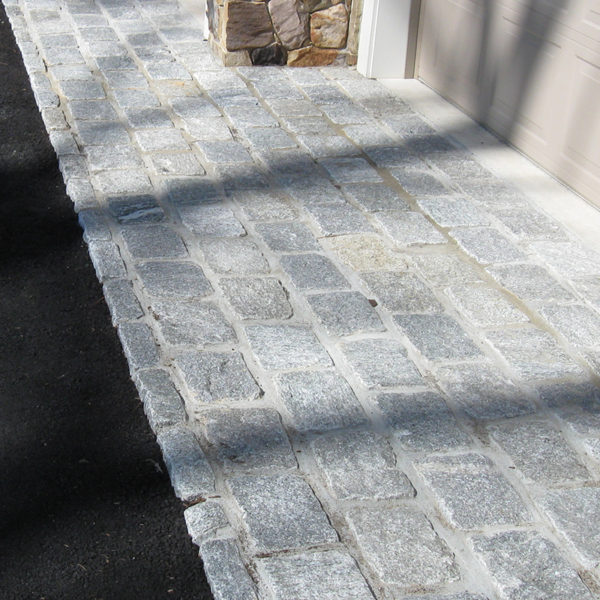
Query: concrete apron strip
point(371, 362)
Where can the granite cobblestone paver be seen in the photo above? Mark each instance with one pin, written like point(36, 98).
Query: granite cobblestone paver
point(370, 362)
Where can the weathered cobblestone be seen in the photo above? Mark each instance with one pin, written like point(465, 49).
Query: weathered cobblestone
point(442, 270)
point(403, 548)
point(287, 237)
point(280, 512)
point(375, 197)
point(319, 401)
point(437, 337)
point(313, 272)
point(106, 260)
point(259, 206)
point(365, 252)
point(331, 575)
point(257, 298)
point(486, 245)
point(162, 403)
point(136, 209)
point(470, 493)
point(122, 302)
point(247, 438)
point(217, 376)
point(578, 324)
point(234, 255)
point(402, 292)
point(338, 219)
point(525, 566)
point(153, 241)
point(225, 570)
point(381, 363)
point(174, 279)
point(286, 346)
point(138, 345)
point(409, 228)
point(360, 466)
point(540, 452)
point(203, 519)
point(422, 421)
point(345, 313)
point(350, 170)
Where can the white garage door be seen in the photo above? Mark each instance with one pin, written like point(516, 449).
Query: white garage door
point(529, 70)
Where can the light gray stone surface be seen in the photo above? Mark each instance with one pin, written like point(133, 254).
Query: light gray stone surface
point(286, 346)
point(403, 548)
point(194, 188)
point(330, 575)
point(471, 493)
point(319, 401)
point(280, 512)
point(525, 566)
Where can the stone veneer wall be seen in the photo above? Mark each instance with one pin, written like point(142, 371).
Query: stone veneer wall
point(279, 32)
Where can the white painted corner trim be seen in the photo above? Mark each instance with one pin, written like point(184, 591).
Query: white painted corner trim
point(384, 42)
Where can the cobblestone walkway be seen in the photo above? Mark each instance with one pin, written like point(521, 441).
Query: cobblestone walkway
point(369, 362)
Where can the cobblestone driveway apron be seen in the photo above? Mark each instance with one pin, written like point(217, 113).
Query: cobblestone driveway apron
point(371, 364)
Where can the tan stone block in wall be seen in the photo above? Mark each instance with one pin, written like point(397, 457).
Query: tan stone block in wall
point(311, 57)
point(246, 25)
point(237, 58)
point(329, 27)
point(290, 22)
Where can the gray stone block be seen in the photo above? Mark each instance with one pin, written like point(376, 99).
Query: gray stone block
point(82, 90)
point(138, 345)
point(365, 252)
point(394, 157)
point(579, 324)
point(95, 225)
point(263, 206)
point(247, 438)
point(194, 107)
point(375, 197)
point(96, 110)
point(153, 241)
point(319, 401)
point(471, 493)
point(280, 512)
point(437, 337)
point(486, 245)
point(484, 392)
point(81, 193)
point(533, 354)
point(419, 183)
point(442, 270)
point(162, 403)
point(314, 190)
point(422, 422)
point(102, 158)
point(270, 138)
point(350, 170)
point(530, 224)
point(203, 520)
point(321, 146)
point(575, 513)
point(402, 547)
point(135, 99)
point(167, 69)
point(540, 452)
point(453, 212)
point(152, 140)
point(402, 292)
point(346, 113)
point(568, 258)
point(381, 363)
point(176, 164)
point(312, 272)
point(121, 300)
point(136, 209)
point(287, 237)
point(409, 228)
point(189, 322)
point(174, 279)
point(141, 117)
point(102, 133)
point(526, 566)
point(286, 346)
point(238, 256)
point(338, 219)
point(217, 376)
point(360, 466)
point(126, 80)
point(345, 313)
point(106, 260)
point(223, 152)
point(63, 143)
point(115, 183)
point(329, 575)
point(485, 306)
point(211, 220)
point(529, 282)
point(225, 571)
point(257, 298)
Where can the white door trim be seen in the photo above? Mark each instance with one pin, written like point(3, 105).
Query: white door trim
point(386, 46)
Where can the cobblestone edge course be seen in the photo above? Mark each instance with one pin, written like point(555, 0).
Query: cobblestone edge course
point(382, 455)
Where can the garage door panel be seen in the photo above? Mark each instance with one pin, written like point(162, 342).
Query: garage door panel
point(533, 76)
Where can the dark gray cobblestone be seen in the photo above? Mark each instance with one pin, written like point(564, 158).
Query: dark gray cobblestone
point(460, 402)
